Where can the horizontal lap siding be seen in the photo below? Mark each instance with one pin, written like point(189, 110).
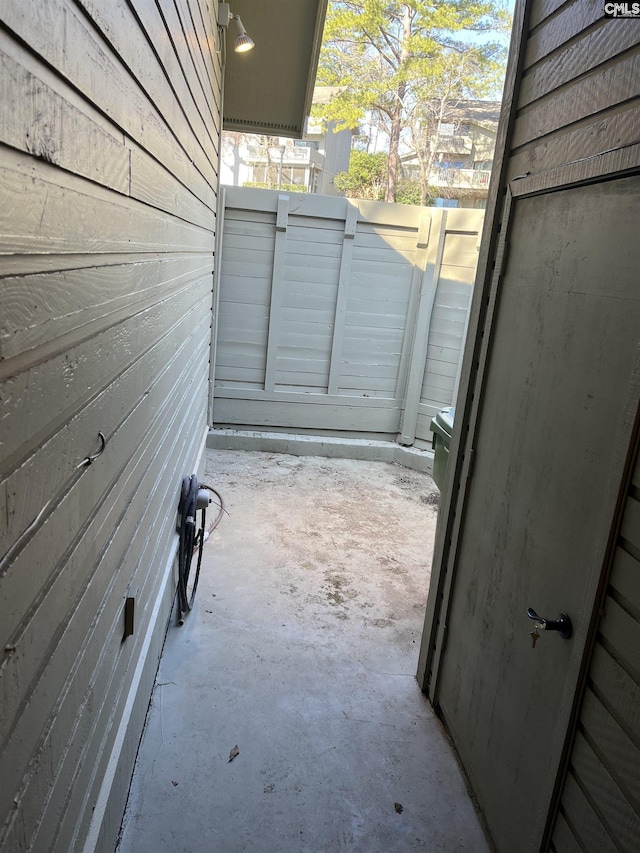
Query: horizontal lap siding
point(580, 94)
point(110, 123)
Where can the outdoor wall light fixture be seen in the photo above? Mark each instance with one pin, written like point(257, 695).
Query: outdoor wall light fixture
point(243, 42)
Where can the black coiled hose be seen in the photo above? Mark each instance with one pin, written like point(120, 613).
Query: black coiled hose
point(190, 539)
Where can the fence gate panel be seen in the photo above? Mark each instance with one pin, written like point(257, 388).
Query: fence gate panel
point(324, 306)
point(448, 326)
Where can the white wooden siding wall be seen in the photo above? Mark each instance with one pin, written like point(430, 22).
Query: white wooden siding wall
point(109, 125)
point(340, 316)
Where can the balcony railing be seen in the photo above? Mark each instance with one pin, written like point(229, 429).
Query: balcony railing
point(460, 178)
point(292, 155)
point(456, 144)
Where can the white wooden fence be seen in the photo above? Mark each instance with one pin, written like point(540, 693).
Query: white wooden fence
point(339, 316)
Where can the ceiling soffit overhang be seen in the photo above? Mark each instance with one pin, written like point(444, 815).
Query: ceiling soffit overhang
point(269, 89)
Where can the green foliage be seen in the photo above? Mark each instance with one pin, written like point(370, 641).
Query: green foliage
point(408, 192)
point(392, 58)
point(366, 177)
point(290, 188)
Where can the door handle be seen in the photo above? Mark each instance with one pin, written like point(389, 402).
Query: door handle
point(562, 624)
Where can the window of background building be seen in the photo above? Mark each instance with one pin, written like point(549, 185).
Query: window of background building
point(294, 175)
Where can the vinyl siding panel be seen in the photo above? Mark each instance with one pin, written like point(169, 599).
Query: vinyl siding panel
point(108, 150)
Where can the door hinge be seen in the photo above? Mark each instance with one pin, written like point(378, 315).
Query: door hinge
point(472, 463)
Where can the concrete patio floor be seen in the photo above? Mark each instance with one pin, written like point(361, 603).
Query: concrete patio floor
point(301, 652)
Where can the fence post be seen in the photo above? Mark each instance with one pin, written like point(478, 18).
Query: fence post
point(428, 262)
point(277, 287)
point(350, 224)
point(456, 386)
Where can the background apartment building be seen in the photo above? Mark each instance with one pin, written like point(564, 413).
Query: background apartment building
point(297, 165)
point(464, 147)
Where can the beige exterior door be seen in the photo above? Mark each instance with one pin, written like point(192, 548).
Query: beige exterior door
point(558, 405)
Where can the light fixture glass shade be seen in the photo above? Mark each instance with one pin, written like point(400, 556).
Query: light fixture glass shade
point(243, 42)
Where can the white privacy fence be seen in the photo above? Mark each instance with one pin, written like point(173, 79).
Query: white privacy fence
point(339, 316)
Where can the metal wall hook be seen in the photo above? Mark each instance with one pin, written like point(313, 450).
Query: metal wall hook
point(33, 526)
point(89, 459)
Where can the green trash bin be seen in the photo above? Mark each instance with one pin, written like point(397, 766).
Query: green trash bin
point(442, 428)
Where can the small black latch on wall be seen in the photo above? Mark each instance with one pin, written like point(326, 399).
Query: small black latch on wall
point(129, 611)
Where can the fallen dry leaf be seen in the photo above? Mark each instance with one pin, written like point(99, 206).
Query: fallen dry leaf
point(234, 752)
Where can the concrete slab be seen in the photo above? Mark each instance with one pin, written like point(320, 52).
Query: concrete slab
point(301, 652)
point(334, 447)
